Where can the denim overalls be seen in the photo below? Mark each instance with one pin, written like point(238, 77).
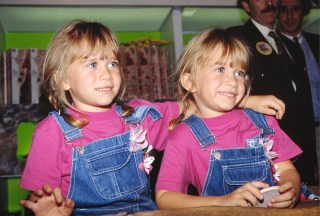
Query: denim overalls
point(105, 177)
point(231, 168)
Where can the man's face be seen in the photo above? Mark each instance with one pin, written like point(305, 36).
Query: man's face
point(262, 11)
point(290, 16)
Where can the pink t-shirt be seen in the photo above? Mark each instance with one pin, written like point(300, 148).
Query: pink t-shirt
point(185, 162)
point(49, 160)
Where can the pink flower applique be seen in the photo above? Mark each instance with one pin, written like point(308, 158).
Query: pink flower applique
point(146, 164)
point(138, 139)
point(267, 146)
point(275, 170)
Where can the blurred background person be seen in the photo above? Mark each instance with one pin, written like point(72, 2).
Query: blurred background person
point(291, 15)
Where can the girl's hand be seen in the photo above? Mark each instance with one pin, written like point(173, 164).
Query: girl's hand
point(45, 190)
point(287, 197)
point(46, 201)
point(246, 195)
point(266, 104)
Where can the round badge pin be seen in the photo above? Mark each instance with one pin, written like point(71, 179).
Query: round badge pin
point(264, 48)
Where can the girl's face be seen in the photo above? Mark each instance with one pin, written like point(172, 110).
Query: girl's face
point(218, 87)
point(93, 82)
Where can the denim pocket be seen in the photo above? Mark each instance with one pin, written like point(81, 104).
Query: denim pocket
point(237, 175)
point(115, 172)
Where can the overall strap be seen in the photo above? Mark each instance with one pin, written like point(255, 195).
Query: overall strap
point(260, 121)
point(70, 132)
point(139, 114)
point(200, 130)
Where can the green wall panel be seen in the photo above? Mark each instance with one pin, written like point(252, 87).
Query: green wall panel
point(27, 40)
point(2, 41)
point(187, 38)
point(41, 40)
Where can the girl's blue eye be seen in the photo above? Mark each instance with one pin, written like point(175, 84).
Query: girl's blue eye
point(92, 65)
point(240, 74)
point(220, 69)
point(113, 64)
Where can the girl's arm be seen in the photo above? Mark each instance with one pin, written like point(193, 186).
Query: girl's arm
point(46, 201)
point(289, 186)
point(245, 196)
point(266, 104)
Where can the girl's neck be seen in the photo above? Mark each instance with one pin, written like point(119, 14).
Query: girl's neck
point(211, 114)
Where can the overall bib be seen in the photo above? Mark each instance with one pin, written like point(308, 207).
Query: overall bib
point(231, 168)
point(105, 175)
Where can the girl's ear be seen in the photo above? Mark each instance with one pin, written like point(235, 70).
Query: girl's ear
point(65, 84)
point(186, 82)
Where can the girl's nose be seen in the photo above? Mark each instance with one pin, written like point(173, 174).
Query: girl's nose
point(230, 80)
point(106, 74)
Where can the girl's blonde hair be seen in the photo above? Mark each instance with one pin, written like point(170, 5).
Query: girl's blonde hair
point(197, 53)
point(76, 39)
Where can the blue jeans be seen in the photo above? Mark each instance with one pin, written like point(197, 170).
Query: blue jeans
point(231, 168)
point(234, 168)
point(105, 175)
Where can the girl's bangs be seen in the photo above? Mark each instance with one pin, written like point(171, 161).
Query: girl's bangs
point(239, 57)
point(85, 49)
point(234, 52)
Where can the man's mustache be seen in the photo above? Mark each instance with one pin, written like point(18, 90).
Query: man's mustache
point(269, 8)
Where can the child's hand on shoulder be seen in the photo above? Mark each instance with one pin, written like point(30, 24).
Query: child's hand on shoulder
point(266, 104)
point(287, 197)
point(247, 195)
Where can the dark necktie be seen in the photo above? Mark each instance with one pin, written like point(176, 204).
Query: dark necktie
point(295, 39)
point(278, 42)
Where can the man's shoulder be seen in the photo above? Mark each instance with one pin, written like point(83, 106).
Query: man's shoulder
point(235, 28)
point(239, 27)
point(247, 29)
point(311, 36)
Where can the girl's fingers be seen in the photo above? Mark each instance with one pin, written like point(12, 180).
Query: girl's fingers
point(47, 189)
point(58, 195)
point(27, 204)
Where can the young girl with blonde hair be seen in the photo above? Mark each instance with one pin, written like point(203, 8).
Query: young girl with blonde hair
point(95, 147)
point(228, 154)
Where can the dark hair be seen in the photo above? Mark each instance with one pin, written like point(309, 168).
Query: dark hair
point(306, 5)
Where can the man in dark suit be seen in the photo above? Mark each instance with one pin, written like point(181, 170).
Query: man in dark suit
point(291, 15)
point(276, 73)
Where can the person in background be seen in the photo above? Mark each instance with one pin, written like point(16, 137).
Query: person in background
point(291, 15)
point(227, 153)
point(276, 72)
point(96, 150)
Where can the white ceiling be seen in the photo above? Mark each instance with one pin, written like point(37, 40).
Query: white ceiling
point(22, 18)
